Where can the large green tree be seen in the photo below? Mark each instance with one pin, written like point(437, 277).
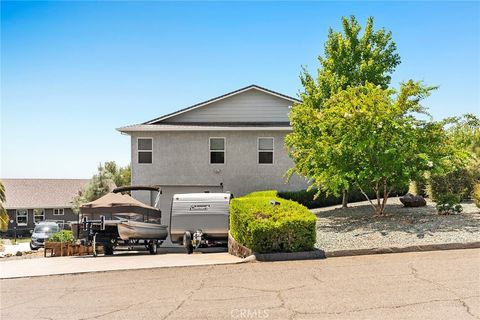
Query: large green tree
point(350, 59)
point(366, 137)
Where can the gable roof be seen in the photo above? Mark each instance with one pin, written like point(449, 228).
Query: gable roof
point(41, 193)
point(224, 96)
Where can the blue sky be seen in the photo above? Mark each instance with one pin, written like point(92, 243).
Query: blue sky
point(73, 72)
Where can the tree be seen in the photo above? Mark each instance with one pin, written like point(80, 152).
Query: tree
point(349, 60)
point(101, 183)
point(3, 212)
point(366, 137)
point(121, 175)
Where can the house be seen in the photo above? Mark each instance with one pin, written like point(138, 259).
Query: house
point(30, 201)
point(234, 142)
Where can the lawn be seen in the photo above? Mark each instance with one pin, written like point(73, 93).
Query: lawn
point(357, 228)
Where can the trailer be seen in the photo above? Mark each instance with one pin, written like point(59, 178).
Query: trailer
point(200, 220)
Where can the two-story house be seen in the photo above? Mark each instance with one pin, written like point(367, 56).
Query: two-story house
point(234, 142)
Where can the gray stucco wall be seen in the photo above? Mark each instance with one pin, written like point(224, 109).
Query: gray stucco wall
point(182, 158)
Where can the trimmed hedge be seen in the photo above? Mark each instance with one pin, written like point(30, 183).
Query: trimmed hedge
point(284, 227)
point(306, 198)
point(62, 236)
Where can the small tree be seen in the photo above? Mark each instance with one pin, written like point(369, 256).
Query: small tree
point(121, 175)
point(366, 137)
point(3, 212)
point(350, 59)
point(100, 184)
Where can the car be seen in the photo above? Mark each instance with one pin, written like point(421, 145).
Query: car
point(41, 232)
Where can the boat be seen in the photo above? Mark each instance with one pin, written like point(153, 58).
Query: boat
point(129, 230)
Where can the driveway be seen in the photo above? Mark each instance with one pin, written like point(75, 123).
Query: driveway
point(426, 285)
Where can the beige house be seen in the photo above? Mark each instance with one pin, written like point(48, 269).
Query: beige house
point(234, 142)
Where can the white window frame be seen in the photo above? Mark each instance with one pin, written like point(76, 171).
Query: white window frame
point(210, 151)
point(38, 215)
point(16, 217)
point(138, 151)
point(59, 210)
point(258, 151)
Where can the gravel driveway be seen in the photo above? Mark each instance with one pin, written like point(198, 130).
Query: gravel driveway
point(357, 228)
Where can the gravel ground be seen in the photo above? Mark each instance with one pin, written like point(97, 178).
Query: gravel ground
point(357, 228)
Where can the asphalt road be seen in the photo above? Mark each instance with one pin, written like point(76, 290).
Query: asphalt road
point(429, 285)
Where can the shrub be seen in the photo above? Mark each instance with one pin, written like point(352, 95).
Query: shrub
point(266, 193)
point(263, 227)
point(62, 236)
point(418, 187)
point(457, 184)
point(306, 198)
point(476, 194)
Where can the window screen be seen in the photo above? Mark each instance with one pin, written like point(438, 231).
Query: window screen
point(145, 150)
point(217, 150)
point(265, 150)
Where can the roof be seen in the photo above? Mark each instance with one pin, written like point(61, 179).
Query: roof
point(253, 126)
point(41, 193)
point(147, 126)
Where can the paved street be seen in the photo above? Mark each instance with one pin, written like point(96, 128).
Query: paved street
point(428, 285)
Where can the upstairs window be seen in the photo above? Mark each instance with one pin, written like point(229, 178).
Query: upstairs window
point(265, 150)
point(217, 150)
point(58, 212)
point(38, 215)
point(145, 150)
point(22, 217)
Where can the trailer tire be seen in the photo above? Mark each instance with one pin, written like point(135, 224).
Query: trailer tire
point(152, 247)
point(108, 250)
point(187, 242)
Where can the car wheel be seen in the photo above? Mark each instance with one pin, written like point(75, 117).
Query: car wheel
point(33, 247)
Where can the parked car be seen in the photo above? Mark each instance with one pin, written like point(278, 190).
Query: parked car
point(42, 231)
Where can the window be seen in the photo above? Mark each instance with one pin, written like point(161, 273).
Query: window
point(265, 150)
point(145, 150)
point(58, 212)
point(217, 150)
point(22, 217)
point(38, 215)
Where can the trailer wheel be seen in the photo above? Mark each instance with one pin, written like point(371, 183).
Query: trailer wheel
point(187, 242)
point(108, 250)
point(152, 247)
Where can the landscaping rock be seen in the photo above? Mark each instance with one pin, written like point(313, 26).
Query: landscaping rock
point(410, 200)
point(19, 253)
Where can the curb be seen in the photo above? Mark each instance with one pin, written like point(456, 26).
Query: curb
point(419, 248)
point(286, 256)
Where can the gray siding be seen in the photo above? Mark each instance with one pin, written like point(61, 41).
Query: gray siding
point(182, 158)
point(68, 216)
point(249, 106)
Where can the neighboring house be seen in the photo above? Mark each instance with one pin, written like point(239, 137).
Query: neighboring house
point(30, 201)
point(234, 143)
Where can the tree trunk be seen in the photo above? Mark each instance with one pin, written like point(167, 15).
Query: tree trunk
point(345, 199)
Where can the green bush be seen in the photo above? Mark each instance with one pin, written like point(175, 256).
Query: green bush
point(306, 198)
point(285, 226)
point(418, 187)
point(62, 236)
point(476, 194)
point(266, 193)
point(457, 184)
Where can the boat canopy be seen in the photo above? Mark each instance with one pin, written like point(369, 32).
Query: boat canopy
point(118, 203)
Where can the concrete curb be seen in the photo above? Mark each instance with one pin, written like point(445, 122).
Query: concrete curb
point(419, 248)
point(285, 256)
